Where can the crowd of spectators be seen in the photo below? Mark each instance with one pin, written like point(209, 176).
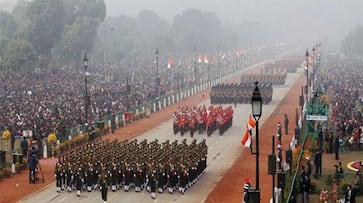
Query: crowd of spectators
point(40, 100)
point(344, 86)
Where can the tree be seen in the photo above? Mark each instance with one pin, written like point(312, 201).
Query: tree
point(352, 45)
point(194, 28)
point(46, 25)
point(18, 55)
point(7, 28)
point(78, 38)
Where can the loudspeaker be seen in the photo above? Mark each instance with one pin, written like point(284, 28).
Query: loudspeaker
point(281, 179)
point(288, 156)
point(271, 164)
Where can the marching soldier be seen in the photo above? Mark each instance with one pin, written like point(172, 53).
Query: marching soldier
point(89, 177)
point(128, 175)
point(103, 185)
point(58, 176)
point(153, 183)
point(139, 177)
point(183, 179)
point(78, 177)
point(172, 179)
point(114, 177)
point(69, 177)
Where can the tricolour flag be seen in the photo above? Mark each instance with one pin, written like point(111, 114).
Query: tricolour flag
point(246, 139)
point(170, 62)
point(200, 59)
point(206, 60)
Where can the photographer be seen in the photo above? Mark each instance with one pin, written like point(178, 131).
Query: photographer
point(32, 162)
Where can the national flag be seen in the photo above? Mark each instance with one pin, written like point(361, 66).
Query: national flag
point(246, 139)
point(223, 56)
point(170, 62)
point(206, 60)
point(251, 122)
point(200, 59)
point(238, 52)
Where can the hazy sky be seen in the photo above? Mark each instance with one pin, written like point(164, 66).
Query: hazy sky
point(316, 18)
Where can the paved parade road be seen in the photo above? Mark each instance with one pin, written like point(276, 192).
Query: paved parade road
point(222, 152)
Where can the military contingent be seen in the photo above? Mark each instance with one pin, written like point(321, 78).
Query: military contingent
point(239, 93)
point(200, 119)
point(152, 166)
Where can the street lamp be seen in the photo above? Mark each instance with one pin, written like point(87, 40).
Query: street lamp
point(195, 66)
point(307, 56)
point(179, 64)
point(313, 66)
point(157, 71)
point(86, 99)
point(257, 112)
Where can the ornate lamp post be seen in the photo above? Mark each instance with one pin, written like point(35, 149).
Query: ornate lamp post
point(195, 67)
point(307, 74)
point(257, 112)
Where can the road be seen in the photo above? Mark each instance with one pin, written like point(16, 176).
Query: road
point(222, 151)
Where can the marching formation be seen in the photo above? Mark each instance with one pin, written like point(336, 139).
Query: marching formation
point(116, 165)
point(276, 78)
point(200, 119)
point(234, 93)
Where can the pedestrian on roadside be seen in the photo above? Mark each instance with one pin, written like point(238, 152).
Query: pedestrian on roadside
point(286, 124)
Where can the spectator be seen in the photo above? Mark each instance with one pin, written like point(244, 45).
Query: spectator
point(349, 195)
point(317, 162)
point(24, 147)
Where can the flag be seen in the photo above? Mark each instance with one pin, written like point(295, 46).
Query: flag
point(206, 60)
point(170, 62)
point(246, 139)
point(200, 59)
point(223, 56)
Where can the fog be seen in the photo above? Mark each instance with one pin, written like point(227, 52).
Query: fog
point(304, 20)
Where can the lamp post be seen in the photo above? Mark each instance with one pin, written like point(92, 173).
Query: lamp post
point(195, 67)
point(86, 99)
point(179, 64)
point(257, 112)
point(307, 74)
point(219, 62)
point(313, 66)
point(157, 71)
